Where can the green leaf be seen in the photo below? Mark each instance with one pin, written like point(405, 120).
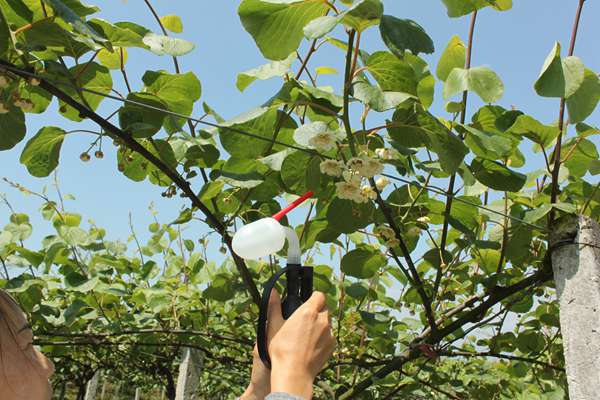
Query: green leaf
point(363, 14)
point(376, 98)
point(400, 35)
point(260, 122)
point(530, 342)
point(320, 27)
point(363, 262)
point(277, 26)
point(346, 216)
point(112, 59)
point(532, 129)
point(81, 27)
point(264, 72)
point(164, 45)
point(454, 56)
point(458, 8)
point(12, 128)
point(487, 145)
point(177, 91)
point(584, 101)
point(139, 121)
point(496, 176)
point(560, 77)
point(5, 35)
point(90, 76)
point(121, 34)
point(392, 73)
point(172, 23)
point(41, 153)
point(480, 80)
point(241, 172)
point(581, 156)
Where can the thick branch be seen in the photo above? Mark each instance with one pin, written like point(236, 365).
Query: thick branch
point(501, 356)
point(133, 145)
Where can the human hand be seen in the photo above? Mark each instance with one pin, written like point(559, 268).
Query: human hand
point(260, 379)
point(301, 347)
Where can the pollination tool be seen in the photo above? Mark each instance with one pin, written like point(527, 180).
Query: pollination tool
point(262, 238)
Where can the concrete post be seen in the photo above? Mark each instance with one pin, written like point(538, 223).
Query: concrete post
point(189, 374)
point(92, 387)
point(577, 275)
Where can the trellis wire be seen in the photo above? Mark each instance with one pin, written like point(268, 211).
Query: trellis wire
point(429, 188)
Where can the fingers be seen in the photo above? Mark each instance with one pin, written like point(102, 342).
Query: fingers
point(317, 300)
point(274, 315)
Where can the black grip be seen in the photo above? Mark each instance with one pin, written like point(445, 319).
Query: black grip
point(299, 289)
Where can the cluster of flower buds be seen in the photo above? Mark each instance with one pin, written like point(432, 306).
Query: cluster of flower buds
point(354, 173)
point(388, 235)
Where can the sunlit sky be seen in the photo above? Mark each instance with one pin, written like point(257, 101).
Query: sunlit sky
point(513, 43)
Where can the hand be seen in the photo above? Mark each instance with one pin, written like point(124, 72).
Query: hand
point(260, 379)
point(301, 348)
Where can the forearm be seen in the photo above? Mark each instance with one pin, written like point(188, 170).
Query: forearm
point(291, 381)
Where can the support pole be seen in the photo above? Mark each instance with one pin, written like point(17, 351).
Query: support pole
point(576, 270)
point(189, 374)
point(92, 387)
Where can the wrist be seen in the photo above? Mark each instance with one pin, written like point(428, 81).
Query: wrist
point(291, 380)
point(254, 392)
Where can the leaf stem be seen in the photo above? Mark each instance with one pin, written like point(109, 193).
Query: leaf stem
point(561, 122)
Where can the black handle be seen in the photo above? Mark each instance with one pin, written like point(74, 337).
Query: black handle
point(299, 289)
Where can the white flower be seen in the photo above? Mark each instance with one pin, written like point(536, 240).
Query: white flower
point(348, 191)
point(352, 177)
point(386, 154)
point(424, 220)
point(367, 167)
point(332, 167)
point(3, 82)
point(323, 141)
point(368, 192)
point(381, 183)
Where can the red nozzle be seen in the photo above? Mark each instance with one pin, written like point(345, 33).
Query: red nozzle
point(293, 205)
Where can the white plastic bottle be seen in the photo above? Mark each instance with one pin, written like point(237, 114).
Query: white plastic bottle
point(259, 239)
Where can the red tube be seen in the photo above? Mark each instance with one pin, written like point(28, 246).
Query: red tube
point(293, 205)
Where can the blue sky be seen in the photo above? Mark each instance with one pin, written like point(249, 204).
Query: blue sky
point(513, 43)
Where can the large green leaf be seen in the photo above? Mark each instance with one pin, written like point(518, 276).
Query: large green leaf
point(496, 176)
point(128, 35)
point(242, 172)
point(487, 145)
point(139, 121)
point(172, 23)
point(267, 71)
point(392, 73)
point(481, 80)
point(346, 216)
point(363, 14)
point(400, 35)
point(81, 27)
point(12, 128)
point(90, 76)
point(454, 56)
point(259, 122)
point(529, 127)
point(458, 8)
point(363, 262)
point(584, 101)
point(321, 26)
point(581, 154)
point(177, 91)
point(277, 26)
point(41, 153)
point(560, 77)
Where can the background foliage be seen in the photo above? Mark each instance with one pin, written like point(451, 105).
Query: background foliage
point(439, 223)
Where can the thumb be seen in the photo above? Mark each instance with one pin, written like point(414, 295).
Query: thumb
point(274, 315)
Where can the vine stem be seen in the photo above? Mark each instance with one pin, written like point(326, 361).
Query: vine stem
point(561, 121)
point(133, 145)
point(450, 192)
